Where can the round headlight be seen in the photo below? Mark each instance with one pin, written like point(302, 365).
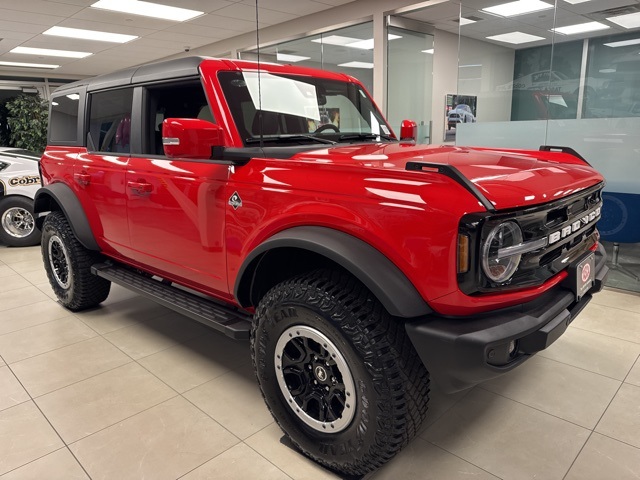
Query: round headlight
point(499, 267)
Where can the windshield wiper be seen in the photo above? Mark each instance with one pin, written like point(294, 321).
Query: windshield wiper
point(365, 136)
point(289, 138)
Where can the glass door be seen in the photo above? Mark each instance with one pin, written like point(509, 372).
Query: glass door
point(410, 79)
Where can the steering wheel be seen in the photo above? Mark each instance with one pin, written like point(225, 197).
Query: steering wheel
point(327, 126)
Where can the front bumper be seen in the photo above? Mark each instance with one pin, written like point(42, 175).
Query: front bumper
point(462, 352)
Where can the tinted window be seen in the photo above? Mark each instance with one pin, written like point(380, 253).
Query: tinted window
point(63, 123)
point(184, 100)
point(110, 121)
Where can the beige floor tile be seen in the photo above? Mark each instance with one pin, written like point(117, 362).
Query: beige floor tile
point(605, 458)
point(440, 403)
point(114, 316)
point(154, 335)
point(611, 298)
point(557, 389)
point(34, 265)
point(269, 443)
point(238, 463)
point(27, 316)
point(506, 438)
point(234, 401)
point(6, 271)
point(100, 401)
point(610, 321)
point(56, 369)
point(10, 256)
point(622, 419)
point(197, 361)
point(597, 353)
point(164, 442)
point(11, 392)
point(21, 298)
point(423, 460)
point(634, 374)
point(25, 435)
point(43, 338)
point(47, 290)
point(13, 282)
point(37, 277)
point(59, 465)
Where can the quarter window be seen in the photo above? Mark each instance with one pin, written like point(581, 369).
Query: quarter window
point(110, 121)
point(63, 123)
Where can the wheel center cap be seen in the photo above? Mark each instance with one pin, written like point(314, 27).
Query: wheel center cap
point(321, 373)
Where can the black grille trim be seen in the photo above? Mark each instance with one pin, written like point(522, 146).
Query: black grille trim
point(540, 265)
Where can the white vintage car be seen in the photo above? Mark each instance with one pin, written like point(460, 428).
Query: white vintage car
point(19, 181)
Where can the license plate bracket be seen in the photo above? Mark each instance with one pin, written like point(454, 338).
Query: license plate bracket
point(583, 275)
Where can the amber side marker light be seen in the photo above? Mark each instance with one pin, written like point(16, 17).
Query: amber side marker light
point(463, 253)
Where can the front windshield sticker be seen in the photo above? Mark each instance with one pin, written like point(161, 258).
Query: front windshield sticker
point(282, 95)
point(385, 129)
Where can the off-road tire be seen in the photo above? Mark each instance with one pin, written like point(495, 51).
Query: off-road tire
point(11, 230)
point(69, 272)
point(391, 383)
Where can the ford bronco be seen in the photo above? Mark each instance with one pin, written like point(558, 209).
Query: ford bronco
point(275, 203)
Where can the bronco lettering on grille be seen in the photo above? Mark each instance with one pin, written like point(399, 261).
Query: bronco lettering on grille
point(586, 219)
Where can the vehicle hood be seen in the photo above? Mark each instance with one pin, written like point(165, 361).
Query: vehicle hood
point(506, 178)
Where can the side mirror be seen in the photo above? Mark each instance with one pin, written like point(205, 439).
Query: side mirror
point(408, 131)
point(190, 137)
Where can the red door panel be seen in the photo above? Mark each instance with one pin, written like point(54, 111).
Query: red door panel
point(176, 219)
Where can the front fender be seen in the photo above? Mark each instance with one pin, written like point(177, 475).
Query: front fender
point(59, 196)
point(381, 276)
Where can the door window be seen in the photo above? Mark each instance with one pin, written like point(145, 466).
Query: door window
point(110, 121)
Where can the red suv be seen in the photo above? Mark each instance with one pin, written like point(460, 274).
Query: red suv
point(275, 203)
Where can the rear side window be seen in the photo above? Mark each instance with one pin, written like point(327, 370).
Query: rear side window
point(63, 122)
point(110, 121)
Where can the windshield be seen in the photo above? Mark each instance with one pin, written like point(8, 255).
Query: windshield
point(295, 109)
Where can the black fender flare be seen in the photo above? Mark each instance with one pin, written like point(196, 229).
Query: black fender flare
point(61, 195)
point(379, 274)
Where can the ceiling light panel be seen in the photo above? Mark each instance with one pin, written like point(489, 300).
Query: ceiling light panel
point(28, 65)
point(336, 40)
point(148, 9)
point(89, 35)
point(430, 50)
point(286, 57)
point(466, 21)
point(630, 20)
point(48, 52)
point(515, 38)
point(519, 7)
point(368, 43)
point(575, 2)
point(623, 43)
point(581, 28)
point(356, 65)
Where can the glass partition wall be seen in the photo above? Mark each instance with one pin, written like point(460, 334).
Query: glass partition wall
point(565, 73)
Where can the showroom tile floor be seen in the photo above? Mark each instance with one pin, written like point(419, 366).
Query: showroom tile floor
point(132, 390)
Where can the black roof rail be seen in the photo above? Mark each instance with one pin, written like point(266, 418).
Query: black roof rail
point(455, 174)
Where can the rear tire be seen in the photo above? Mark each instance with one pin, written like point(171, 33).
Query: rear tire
point(337, 372)
point(17, 223)
point(68, 265)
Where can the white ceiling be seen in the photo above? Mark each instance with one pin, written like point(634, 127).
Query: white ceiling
point(23, 21)
point(444, 16)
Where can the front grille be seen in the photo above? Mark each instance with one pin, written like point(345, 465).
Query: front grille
point(552, 221)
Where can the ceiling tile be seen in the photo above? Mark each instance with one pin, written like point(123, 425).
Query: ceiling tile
point(44, 7)
point(33, 18)
point(206, 6)
point(298, 8)
point(217, 21)
point(96, 15)
point(31, 28)
point(202, 31)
